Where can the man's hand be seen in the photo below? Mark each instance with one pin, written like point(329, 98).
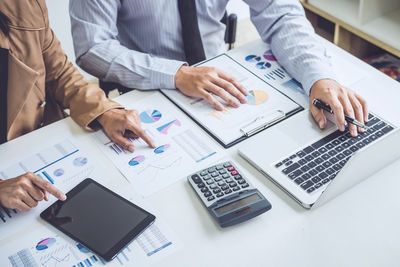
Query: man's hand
point(342, 101)
point(121, 123)
point(25, 191)
point(202, 82)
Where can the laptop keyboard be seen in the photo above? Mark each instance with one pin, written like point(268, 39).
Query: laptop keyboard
point(317, 164)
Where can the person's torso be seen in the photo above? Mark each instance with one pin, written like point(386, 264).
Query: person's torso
point(26, 90)
point(154, 27)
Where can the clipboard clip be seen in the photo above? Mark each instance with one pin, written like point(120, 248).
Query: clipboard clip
point(262, 122)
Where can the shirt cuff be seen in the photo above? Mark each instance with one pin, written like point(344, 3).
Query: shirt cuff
point(163, 75)
point(318, 72)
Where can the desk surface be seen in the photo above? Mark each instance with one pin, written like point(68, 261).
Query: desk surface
point(359, 228)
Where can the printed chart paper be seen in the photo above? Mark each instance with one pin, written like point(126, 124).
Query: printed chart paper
point(179, 148)
point(227, 125)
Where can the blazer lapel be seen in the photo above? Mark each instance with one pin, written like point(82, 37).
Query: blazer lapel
point(21, 80)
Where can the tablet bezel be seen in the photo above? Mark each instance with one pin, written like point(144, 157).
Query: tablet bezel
point(129, 237)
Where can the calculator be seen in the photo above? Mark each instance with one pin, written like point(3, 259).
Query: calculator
point(227, 194)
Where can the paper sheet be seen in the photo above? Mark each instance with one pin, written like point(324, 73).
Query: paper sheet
point(46, 246)
point(258, 58)
point(180, 148)
point(227, 125)
point(62, 164)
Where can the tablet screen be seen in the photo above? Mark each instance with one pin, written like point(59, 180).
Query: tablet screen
point(97, 217)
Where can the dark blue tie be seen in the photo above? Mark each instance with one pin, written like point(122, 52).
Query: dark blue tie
point(193, 46)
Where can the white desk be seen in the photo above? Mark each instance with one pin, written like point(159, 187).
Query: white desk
point(359, 228)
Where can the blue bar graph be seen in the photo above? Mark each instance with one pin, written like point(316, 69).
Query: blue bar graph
point(48, 177)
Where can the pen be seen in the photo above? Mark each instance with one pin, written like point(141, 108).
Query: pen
point(321, 105)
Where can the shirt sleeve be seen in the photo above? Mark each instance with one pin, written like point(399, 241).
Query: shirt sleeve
point(99, 52)
point(284, 26)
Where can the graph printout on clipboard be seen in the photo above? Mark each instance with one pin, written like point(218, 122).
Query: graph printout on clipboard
point(264, 104)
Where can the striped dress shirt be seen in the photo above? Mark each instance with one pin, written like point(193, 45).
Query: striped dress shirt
point(138, 43)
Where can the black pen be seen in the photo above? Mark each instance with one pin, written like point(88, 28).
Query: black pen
point(321, 105)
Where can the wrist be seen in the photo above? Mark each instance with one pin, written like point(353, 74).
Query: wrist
point(180, 74)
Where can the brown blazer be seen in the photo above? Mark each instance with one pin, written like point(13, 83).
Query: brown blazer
point(41, 80)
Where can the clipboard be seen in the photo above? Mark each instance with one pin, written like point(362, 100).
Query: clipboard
point(247, 126)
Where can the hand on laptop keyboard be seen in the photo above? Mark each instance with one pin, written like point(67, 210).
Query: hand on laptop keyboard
point(342, 101)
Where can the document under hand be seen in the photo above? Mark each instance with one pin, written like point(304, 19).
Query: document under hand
point(265, 105)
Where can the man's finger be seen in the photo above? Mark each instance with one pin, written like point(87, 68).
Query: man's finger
point(28, 200)
point(318, 115)
point(358, 110)
point(364, 106)
point(230, 88)
point(21, 206)
point(35, 192)
point(349, 111)
point(119, 139)
point(216, 90)
point(337, 108)
point(210, 99)
point(233, 81)
point(141, 133)
point(48, 187)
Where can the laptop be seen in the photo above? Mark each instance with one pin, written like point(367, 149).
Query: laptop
point(304, 161)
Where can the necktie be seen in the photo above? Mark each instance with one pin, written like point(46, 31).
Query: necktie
point(192, 43)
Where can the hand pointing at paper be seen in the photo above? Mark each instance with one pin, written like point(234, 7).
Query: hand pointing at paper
point(25, 191)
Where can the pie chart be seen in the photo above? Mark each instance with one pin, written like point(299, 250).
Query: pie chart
point(257, 97)
point(45, 243)
point(58, 172)
point(136, 160)
point(269, 56)
point(161, 149)
point(80, 161)
point(252, 58)
point(263, 65)
point(150, 116)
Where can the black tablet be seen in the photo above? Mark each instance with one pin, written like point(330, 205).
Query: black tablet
point(98, 218)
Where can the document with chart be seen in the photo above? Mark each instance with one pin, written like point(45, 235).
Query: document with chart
point(62, 164)
point(180, 149)
point(46, 246)
point(265, 105)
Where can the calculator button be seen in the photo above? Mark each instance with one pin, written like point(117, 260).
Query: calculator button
point(196, 179)
point(207, 194)
point(204, 189)
point(220, 194)
point(228, 191)
point(221, 183)
point(210, 182)
point(222, 172)
point(237, 177)
point(211, 170)
point(203, 173)
point(236, 188)
point(217, 179)
point(219, 167)
point(207, 177)
point(214, 174)
point(225, 175)
point(225, 187)
point(231, 168)
point(229, 180)
point(245, 185)
point(210, 198)
point(233, 184)
point(241, 181)
point(234, 172)
point(227, 164)
point(213, 186)
point(216, 190)
point(201, 185)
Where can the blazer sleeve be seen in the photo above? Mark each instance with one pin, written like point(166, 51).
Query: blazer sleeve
point(68, 87)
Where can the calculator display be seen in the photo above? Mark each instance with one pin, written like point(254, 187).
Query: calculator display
point(238, 204)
